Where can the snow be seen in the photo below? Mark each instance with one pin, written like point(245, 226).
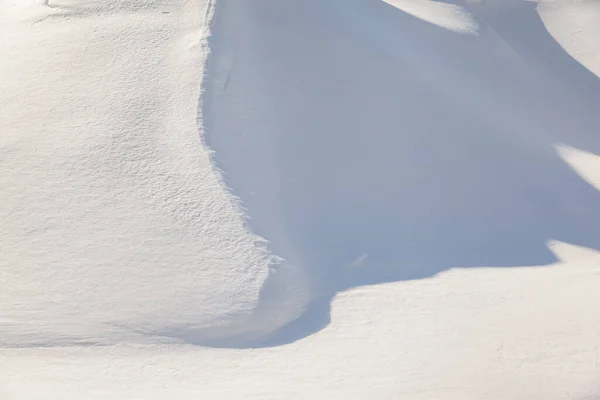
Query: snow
point(116, 226)
point(368, 156)
point(527, 333)
point(450, 16)
point(323, 198)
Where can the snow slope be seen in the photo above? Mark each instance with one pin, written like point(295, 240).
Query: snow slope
point(372, 146)
point(397, 157)
point(115, 226)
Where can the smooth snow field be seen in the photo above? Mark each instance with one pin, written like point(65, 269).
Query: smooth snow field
point(300, 199)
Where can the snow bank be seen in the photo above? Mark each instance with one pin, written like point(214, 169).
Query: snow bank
point(115, 225)
point(369, 142)
point(371, 145)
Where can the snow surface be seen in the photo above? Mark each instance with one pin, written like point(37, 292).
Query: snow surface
point(396, 156)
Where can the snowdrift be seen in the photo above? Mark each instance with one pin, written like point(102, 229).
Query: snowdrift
point(448, 150)
point(377, 141)
point(115, 226)
point(356, 142)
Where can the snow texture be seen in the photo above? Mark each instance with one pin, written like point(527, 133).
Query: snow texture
point(370, 146)
point(322, 198)
point(115, 225)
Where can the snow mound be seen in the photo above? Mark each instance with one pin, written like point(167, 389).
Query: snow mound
point(371, 141)
point(115, 225)
point(356, 142)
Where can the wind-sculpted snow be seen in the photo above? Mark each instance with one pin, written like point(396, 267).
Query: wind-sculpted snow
point(369, 145)
point(366, 141)
point(115, 226)
point(355, 199)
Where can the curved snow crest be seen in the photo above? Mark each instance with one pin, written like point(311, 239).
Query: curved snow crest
point(370, 145)
point(282, 300)
point(284, 295)
point(115, 225)
point(449, 16)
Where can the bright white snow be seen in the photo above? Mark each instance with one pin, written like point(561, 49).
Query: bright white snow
point(396, 155)
point(115, 226)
